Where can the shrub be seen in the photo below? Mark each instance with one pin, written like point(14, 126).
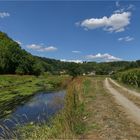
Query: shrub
point(130, 77)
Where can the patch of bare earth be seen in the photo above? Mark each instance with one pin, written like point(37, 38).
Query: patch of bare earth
point(105, 118)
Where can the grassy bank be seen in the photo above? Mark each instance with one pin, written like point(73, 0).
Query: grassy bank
point(70, 122)
point(15, 90)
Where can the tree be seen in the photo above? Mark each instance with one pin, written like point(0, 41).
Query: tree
point(74, 70)
point(38, 69)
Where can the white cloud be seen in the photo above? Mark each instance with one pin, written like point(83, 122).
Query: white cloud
point(34, 47)
point(127, 39)
point(117, 22)
point(4, 14)
point(41, 48)
point(72, 60)
point(48, 49)
point(103, 57)
point(119, 10)
point(18, 42)
point(117, 4)
point(76, 51)
point(131, 7)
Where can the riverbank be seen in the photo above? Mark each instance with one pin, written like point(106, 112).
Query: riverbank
point(15, 89)
point(69, 123)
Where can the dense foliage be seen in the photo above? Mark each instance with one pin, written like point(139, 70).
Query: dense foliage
point(15, 60)
point(130, 77)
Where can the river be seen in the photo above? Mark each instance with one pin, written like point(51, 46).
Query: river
point(37, 109)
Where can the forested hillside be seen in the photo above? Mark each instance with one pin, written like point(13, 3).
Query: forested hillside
point(15, 60)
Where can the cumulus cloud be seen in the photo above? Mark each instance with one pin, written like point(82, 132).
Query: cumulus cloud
point(72, 60)
point(4, 14)
point(41, 48)
point(76, 51)
point(117, 22)
point(103, 57)
point(127, 39)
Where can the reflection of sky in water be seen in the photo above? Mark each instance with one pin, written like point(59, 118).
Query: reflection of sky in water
point(37, 109)
point(36, 101)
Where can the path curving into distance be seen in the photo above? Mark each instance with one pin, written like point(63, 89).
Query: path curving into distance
point(129, 107)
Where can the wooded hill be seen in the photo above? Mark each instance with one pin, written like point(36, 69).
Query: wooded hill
point(15, 60)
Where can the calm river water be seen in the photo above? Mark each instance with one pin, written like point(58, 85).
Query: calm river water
point(37, 109)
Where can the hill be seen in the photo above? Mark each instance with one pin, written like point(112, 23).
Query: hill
point(15, 60)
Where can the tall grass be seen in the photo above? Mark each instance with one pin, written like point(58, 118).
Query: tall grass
point(74, 109)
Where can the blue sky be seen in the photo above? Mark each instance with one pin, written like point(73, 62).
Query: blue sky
point(80, 31)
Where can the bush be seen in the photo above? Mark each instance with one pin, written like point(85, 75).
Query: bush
point(130, 77)
point(38, 69)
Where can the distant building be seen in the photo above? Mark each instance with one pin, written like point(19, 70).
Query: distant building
point(62, 72)
point(92, 73)
point(111, 72)
point(84, 74)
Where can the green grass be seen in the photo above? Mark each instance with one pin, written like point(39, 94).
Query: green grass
point(15, 89)
point(86, 86)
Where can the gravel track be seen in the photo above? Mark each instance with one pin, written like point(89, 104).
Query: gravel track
point(132, 111)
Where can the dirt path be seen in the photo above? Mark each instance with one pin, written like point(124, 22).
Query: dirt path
point(130, 108)
point(129, 95)
point(125, 89)
point(105, 119)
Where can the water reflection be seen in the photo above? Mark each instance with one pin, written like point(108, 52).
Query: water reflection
point(38, 109)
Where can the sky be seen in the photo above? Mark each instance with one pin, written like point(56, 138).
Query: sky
point(74, 30)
